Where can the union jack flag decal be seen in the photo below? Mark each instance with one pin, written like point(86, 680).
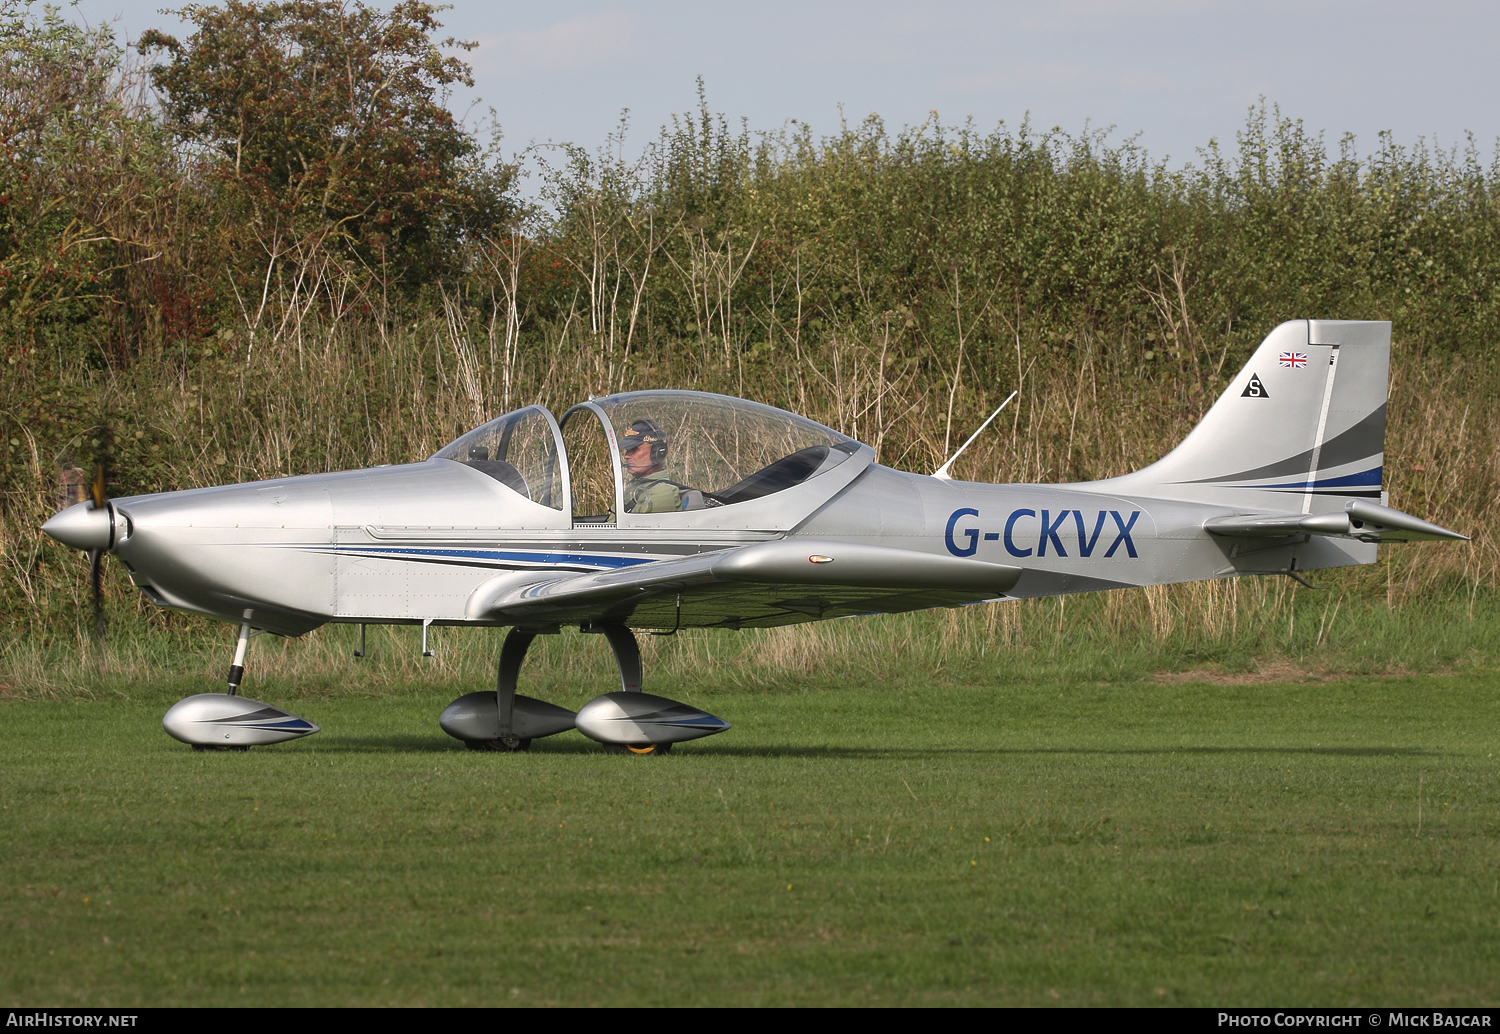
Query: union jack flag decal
point(1294, 360)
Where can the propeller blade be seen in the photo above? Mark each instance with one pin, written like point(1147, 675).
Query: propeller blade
point(96, 556)
point(96, 566)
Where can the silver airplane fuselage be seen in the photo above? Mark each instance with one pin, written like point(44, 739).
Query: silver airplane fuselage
point(411, 544)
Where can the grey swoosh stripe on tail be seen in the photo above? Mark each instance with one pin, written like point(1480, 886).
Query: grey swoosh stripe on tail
point(1363, 440)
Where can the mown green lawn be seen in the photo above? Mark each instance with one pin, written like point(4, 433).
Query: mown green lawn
point(1187, 844)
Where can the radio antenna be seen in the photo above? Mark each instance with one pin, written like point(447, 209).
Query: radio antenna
point(942, 472)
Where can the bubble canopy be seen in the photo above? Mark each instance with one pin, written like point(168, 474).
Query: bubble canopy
point(729, 449)
point(663, 451)
point(521, 450)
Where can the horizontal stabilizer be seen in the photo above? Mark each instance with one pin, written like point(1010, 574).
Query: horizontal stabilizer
point(1393, 525)
point(799, 562)
point(1366, 521)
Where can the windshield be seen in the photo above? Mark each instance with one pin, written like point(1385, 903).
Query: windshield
point(688, 450)
point(519, 450)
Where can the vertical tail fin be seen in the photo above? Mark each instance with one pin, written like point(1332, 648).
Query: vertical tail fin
point(1300, 428)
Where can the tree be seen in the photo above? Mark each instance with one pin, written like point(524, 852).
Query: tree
point(89, 197)
point(326, 121)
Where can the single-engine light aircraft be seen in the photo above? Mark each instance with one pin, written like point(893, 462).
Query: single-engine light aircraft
point(666, 510)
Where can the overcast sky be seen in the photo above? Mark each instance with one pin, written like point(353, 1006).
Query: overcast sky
point(1175, 72)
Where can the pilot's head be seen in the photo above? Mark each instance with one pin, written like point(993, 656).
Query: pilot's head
point(643, 449)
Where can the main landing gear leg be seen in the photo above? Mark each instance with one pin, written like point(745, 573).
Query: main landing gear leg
point(627, 655)
point(511, 656)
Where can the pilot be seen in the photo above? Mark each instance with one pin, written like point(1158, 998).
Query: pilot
point(643, 450)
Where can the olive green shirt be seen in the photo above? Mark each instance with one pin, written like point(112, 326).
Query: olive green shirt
point(652, 493)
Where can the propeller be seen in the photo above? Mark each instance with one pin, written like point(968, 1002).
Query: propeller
point(87, 521)
point(96, 555)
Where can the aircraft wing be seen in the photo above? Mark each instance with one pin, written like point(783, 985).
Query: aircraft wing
point(1368, 522)
point(761, 585)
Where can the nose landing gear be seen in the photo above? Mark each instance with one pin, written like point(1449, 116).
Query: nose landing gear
point(228, 721)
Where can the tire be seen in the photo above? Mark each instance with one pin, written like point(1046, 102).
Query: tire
point(497, 745)
point(644, 750)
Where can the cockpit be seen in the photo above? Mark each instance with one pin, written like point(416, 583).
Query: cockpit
point(647, 458)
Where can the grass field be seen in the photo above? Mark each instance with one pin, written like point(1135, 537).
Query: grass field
point(921, 839)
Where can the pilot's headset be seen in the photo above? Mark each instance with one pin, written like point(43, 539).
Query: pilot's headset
point(646, 431)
